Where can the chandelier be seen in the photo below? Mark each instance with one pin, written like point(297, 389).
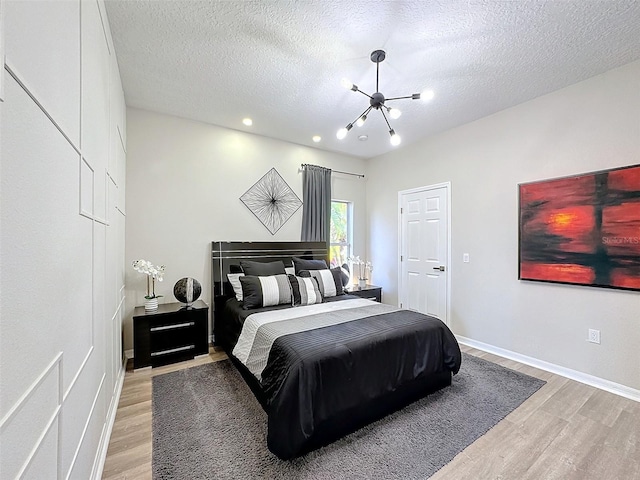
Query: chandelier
point(377, 101)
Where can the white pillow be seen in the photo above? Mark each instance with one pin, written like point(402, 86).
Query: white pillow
point(234, 280)
point(290, 270)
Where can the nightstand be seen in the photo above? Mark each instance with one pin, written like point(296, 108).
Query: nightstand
point(172, 333)
point(370, 292)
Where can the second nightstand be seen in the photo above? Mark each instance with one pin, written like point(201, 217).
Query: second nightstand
point(371, 292)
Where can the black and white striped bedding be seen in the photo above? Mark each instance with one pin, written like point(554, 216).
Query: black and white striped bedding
point(315, 364)
point(262, 329)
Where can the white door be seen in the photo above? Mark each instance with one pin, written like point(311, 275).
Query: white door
point(424, 250)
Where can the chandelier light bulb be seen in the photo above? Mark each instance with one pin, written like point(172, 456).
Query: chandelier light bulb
point(427, 95)
point(343, 131)
point(395, 138)
point(394, 113)
point(361, 121)
point(346, 83)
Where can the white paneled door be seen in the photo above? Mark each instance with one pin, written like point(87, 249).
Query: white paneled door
point(424, 250)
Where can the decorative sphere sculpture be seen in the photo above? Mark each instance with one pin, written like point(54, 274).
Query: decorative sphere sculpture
point(187, 290)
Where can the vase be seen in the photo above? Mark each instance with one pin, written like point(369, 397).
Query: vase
point(151, 304)
point(362, 282)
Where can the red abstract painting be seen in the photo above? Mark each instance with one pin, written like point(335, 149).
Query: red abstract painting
point(583, 230)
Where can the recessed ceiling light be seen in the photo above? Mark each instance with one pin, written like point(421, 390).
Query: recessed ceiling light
point(363, 138)
point(247, 121)
point(316, 138)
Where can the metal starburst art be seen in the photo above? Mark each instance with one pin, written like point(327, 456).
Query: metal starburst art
point(271, 200)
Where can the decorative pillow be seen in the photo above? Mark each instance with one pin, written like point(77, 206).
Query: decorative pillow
point(304, 291)
point(290, 270)
point(265, 291)
point(303, 264)
point(329, 281)
point(234, 280)
point(262, 269)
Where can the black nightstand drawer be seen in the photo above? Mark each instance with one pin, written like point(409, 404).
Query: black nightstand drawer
point(171, 333)
point(169, 337)
point(177, 354)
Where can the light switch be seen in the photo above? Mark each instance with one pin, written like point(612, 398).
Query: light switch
point(465, 257)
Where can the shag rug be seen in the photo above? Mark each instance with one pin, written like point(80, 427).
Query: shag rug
point(208, 425)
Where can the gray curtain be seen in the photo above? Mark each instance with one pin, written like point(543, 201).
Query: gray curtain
point(316, 206)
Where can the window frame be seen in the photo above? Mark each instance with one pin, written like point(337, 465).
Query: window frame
point(349, 242)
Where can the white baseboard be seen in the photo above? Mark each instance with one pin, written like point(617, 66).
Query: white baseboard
point(581, 377)
point(111, 418)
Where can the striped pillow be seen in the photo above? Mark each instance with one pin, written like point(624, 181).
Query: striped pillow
point(329, 281)
point(265, 291)
point(304, 291)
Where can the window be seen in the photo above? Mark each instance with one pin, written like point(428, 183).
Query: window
point(341, 232)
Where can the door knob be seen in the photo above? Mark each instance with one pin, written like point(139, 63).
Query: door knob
point(441, 268)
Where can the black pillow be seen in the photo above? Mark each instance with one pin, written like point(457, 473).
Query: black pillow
point(345, 274)
point(303, 264)
point(265, 291)
point(263, 269)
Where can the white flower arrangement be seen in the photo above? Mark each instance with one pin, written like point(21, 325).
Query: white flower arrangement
point(361, 268)
point(153, 273)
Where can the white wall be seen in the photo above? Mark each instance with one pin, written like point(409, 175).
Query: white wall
point(61, 239)
point(590, 126)
point(184, 182)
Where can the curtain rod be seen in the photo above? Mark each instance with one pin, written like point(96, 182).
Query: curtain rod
point(337, 171)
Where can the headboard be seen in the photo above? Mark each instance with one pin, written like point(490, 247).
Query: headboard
point(224, 255)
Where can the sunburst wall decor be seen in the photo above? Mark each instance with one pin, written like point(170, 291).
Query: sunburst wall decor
point(271, 200)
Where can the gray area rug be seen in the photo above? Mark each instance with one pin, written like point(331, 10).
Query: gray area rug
point(208, 425)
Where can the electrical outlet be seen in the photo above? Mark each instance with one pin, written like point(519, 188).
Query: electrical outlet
point(594, 336)
point(465, 257)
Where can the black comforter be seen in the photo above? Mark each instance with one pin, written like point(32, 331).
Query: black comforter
point(322, 383)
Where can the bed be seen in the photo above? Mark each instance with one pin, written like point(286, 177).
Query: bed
point(323, 370)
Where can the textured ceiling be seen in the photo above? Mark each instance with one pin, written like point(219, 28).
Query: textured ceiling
point(280, 62)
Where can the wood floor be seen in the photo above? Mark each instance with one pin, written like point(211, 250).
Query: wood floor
point(566, 430)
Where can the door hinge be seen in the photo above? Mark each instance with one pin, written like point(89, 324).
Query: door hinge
point(401, 210)
point(401, 257)
point(400, 304)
